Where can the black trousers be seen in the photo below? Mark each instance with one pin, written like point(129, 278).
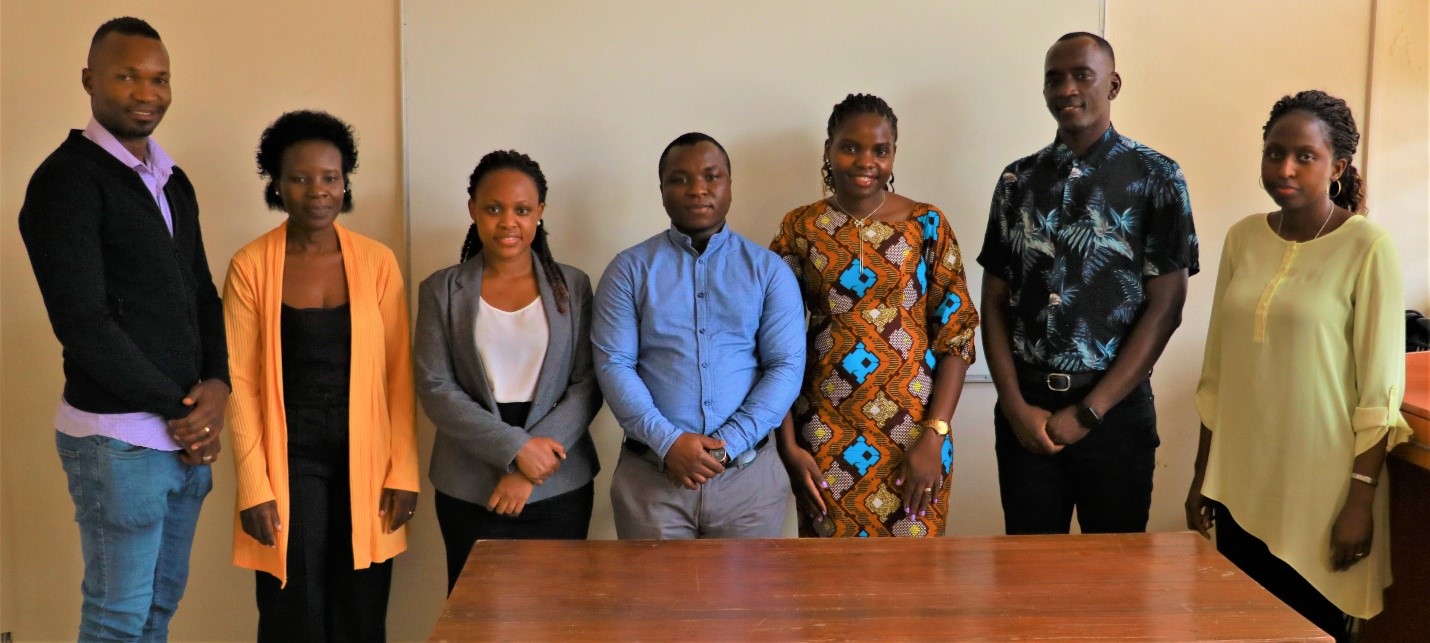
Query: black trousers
point(325, 599)
point(1106, 476)
point(563, 517)
point(1282, 580)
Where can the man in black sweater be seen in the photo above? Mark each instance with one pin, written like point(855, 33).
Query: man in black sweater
point(112, 230)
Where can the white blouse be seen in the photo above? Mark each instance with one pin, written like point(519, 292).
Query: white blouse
point(513, 348)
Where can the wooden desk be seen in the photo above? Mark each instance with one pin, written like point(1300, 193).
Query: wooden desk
point(1407, 614)
point(1142, 587)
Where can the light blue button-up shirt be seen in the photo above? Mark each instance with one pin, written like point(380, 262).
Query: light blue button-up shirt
point(709, 343)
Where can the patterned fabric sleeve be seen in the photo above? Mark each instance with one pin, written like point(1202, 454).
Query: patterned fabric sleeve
point(786, 244)
point(1377, 343)
point(951, 315)
point(1171, 238)
point(996, 256)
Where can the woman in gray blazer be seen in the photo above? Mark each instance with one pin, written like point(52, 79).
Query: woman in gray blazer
point(503, 364)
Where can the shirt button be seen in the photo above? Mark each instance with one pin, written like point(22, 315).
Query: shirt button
point(700, 295)
point(705, 365)
point(707, 402)
point(702, 331)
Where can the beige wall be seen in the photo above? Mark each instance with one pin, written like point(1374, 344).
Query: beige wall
point(1397, 126)
point(1188, 92)
point(236, 66)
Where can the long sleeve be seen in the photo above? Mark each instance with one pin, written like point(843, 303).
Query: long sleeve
point(615, 339)
point(1378, 347)
point(246, 423)
point(403, 469)
point(457, 416)
point(211, 315)
point(571, 418)
point(61, 226)
point(1208, 398)
point(780, 344)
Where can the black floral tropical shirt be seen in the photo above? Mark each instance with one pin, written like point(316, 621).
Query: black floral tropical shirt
point(1076, 238)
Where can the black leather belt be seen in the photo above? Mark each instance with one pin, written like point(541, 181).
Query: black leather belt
point(1058, 382)
point(644, 452)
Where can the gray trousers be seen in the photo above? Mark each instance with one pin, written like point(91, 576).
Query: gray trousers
point(744, 502)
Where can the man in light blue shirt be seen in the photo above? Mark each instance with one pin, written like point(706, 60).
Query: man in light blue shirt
point(699, 347)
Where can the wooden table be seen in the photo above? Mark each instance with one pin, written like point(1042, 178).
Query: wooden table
point(1407, 613)
point(1142, 587)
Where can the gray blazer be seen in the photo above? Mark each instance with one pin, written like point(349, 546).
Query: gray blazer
point(474, 447)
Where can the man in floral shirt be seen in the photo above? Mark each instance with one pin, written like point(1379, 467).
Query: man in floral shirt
point(1086, 258)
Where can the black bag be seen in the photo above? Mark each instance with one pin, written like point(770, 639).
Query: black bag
point(1417, 332)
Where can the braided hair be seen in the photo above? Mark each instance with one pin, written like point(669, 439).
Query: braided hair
point(514, 160)
point(1341, 132)
point(853, 105)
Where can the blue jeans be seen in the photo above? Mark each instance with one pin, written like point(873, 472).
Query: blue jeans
point(137, 509)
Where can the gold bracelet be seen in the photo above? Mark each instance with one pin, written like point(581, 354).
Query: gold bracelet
point(1363, 478)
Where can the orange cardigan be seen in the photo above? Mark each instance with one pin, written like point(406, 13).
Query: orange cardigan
point(383, 446)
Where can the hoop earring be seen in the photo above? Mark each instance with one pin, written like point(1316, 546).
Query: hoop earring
point(890, 185)
point(1338, 191)
point(1261, 183)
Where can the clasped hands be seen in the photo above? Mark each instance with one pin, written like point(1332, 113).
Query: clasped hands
point(537, 460)
point(688, 462)
point(197, 432)
point(1042, 432)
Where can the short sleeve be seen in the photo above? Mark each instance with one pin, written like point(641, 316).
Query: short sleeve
point(1378, 345)
point(951, 315)
point(996, 257)
point(787, 244)
point(1170, 240)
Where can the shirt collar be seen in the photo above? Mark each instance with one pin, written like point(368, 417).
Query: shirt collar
point(683, 241)
point(1093, 156)
point(160, 164)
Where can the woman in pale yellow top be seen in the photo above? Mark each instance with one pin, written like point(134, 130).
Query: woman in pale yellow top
point(1300, 391)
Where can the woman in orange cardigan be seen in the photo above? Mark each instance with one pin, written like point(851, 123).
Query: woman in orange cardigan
point(321, 412)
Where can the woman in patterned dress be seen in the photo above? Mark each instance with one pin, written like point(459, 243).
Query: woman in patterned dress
point(890, 337)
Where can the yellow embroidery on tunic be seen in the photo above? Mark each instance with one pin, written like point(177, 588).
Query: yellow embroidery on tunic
point(1258, 335)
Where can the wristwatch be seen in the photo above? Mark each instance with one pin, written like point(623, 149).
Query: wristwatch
point(720, 455)
point(937, 426)
point(1087, 417)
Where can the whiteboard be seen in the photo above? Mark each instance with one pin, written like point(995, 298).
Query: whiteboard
point(594, 90)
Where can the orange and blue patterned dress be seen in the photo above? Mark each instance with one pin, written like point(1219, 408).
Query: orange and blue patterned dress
point(886, 301)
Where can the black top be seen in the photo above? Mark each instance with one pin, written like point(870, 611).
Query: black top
point(317, 352)
point(134, 309)
point(1076, 238)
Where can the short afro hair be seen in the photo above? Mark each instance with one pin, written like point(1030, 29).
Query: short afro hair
point(690, 138)
point(125, 26)
point(297, 127)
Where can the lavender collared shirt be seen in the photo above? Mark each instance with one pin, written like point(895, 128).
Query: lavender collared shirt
point(139, 429)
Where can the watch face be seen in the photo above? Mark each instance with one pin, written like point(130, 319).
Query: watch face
point(718, 454)
point(1087, 417)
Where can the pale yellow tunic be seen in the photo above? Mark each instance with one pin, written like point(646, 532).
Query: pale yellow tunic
point(1305, 366)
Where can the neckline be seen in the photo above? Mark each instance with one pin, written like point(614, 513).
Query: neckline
point(318, 309)
point(518, 311)
point(920, 209)
point(1266, 225)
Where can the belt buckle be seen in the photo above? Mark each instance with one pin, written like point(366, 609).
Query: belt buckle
point(1064, 378)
